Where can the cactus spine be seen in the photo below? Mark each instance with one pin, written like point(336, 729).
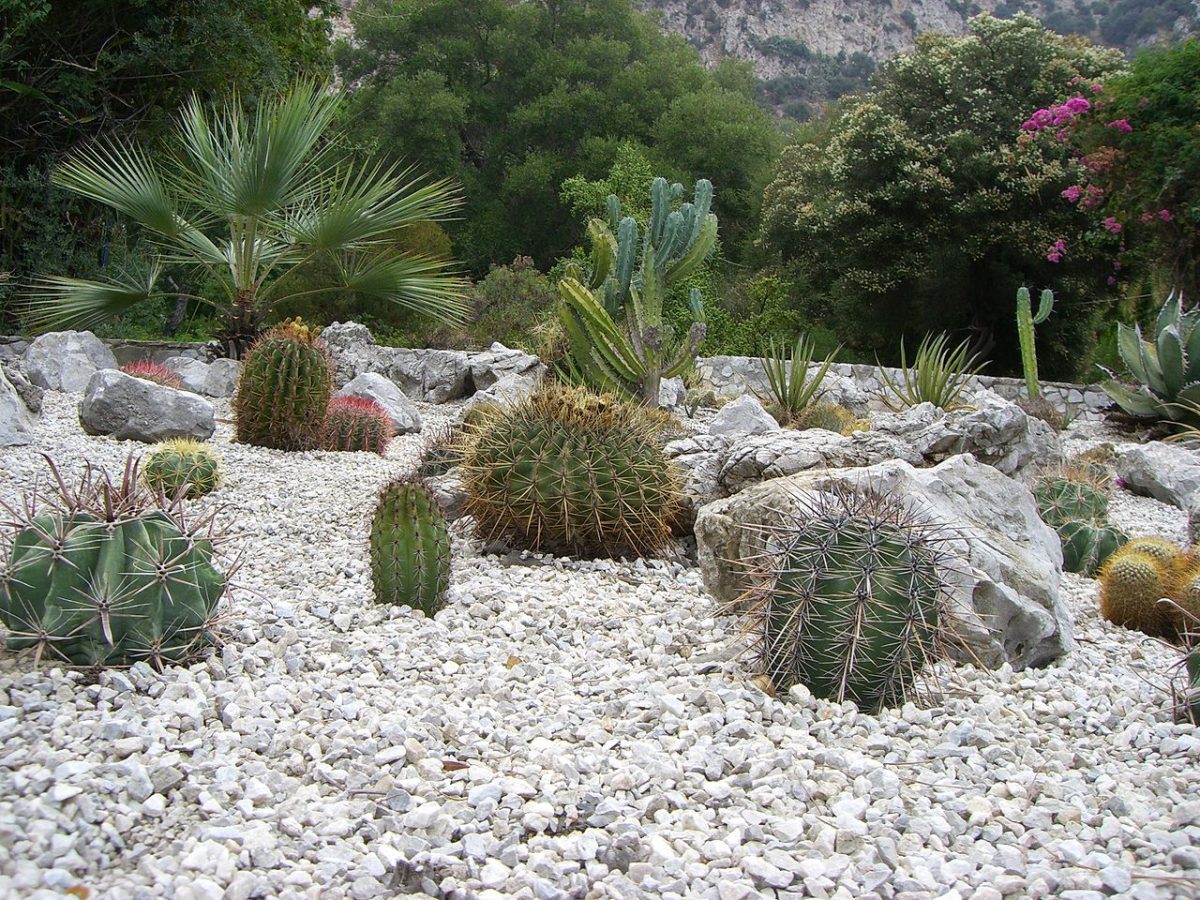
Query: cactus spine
point(283, 391)
point(634, 360)
point(571, 472)
point(850, 601)
point(1025, 322)
point(1062, 500)
point(100, 577)
point(410, 548)
point(182, 465)
point(154, 372)
point(356, 424)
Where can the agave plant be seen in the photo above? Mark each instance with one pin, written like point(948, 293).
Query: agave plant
point(792, 389)
point(1166, 368)
point(244, 200)
point(939, 375)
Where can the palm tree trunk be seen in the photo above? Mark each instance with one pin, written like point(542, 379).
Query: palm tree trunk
point(242, 325)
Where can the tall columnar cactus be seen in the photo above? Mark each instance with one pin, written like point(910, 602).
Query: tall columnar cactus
point(571, 472)
point(182, 465)
point(410, 548)
point(850, 599)
point(635, 359)
point(356, 424)
point(97, 575)
point(1167, 368)
point(283, 392)
point(1086, 546)
point(1025, 322)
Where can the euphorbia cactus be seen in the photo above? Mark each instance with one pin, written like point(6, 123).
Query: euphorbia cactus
point(1025, 322)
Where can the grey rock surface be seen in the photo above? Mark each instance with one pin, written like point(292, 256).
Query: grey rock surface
point(509, 389)
point(742, 416)
point(352, 349)
point(66, 360)
point(432, 376)
point(498, 362)
point(1007, 563)
point(222, 378)
point(129, 408)
point(30, 393)
point(1166, 472)
point(16, 422)
point(371, 386)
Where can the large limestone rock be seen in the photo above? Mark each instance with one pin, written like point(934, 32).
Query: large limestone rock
point(498, 362)
point(508, 390)
point(742, 416)
point(433, 376)
point(192, 372)
point(215, 379)
point(353, 350)
point(1006, 561)
point(1166, 472)
point(16, 422)
point(129, 408)
point(66, 360)
point(30, 393)
point(371, 386)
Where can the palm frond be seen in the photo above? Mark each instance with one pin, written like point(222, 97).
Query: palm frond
point(424, 285)
point(124, 178)
point(56, 302)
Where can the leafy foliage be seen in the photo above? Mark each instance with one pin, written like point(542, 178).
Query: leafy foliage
point(793, 387)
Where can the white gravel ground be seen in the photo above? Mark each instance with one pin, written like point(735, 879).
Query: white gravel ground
point(563, 729)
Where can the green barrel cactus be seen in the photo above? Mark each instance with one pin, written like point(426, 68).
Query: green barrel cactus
point(1086, 546)
point(283, 391)
point(1062, 500)
point(571, 472)
point(98, 576)
point(851, 600)
point(182, 466)
point(410, 548)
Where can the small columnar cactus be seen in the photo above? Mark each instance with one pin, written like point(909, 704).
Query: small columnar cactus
point(283, 391)
point(99, 576)
point(1025, 322)
point(182, 466)
point(410, 548)
point(850, 599)
point(571, 472)
point(356, 424)
point(1086, 546)
point(155, 372)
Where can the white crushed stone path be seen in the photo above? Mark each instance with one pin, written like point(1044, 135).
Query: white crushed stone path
point(557, 732)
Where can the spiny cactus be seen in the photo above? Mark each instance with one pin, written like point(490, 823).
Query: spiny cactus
point(634, 360)
point(1086, 546)
point(826, 415)
point(1131, 584)
point(182, 465)
point(571, 472)
point(1061, 500)
point(283, 391)
point(850, 599)
point(1187, 697)
point(97, 575)
point(1025, 322)
point(148, 370)
point(410, 547)
point(356, 424)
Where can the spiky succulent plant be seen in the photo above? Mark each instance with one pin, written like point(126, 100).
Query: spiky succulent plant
point(828, 416)
point(356, 424)
point(1061, 500)
point(849, 599)
point(410, 547)
point(99, 575)
point(156, 372)
point(182, 465)
point(572, 472)
point(1086, 546)
point(283, 391)
point(1131, 584)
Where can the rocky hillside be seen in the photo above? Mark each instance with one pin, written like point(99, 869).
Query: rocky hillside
point(807, 51)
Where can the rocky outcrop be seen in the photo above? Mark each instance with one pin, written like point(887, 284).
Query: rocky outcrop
point(16, 422)
point(1166, 472)
point(66, 360)
point(131, 409)
point(1006, 563)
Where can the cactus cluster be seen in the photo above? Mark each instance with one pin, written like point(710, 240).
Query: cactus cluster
point(409, 547)
point(850, 599)
point(1139, 576)
point(182, 467)
point(828, 416)
point(572, 472)
point(97, 575)
point(1072, 501)
point(155, 372)
point(356, 424)
point(284, 388)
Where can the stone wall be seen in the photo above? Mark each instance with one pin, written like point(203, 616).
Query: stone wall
point(13, 347)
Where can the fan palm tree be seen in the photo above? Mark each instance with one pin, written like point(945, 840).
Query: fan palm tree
point(244, 200)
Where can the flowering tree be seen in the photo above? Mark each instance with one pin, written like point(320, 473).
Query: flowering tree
point(916, 209)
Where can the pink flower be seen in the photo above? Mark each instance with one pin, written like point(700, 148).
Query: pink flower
point(1056, 251)
point(1122, 125)
point(1092, 198)
point(1097, 88)
point(1165, 215)
point(1077, 105)
point(1112, 279)
point(1147, 218)
point(1111, 225)
point(1072, 194)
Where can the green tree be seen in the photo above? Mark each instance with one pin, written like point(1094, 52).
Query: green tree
point(246, 201)
point(512, 99)
point(915, 209)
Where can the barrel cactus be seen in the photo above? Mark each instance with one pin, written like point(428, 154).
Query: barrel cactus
point(1062, 500)
point(98, 575)
point(849, 599)
point(572, 472)
point(356, 424)
point(182, 466)
point(1086, 546)
point(1131, 584)
point(283, 392)
point(155, 372)
point(410, 547)
point(828, 416)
